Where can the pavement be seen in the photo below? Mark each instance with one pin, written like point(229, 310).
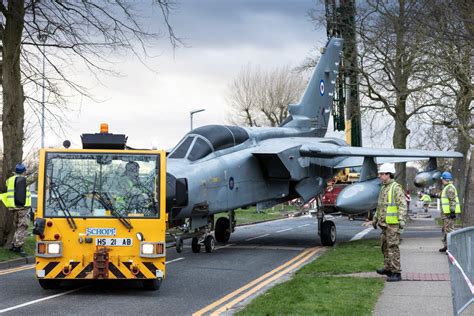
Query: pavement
point(425, 288)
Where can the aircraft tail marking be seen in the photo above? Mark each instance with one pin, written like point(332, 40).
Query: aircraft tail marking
point(314, 108)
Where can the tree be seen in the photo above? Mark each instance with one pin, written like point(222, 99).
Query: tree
point(89, 31)
point(397, 76)
point(261, 98)
point(452, 55)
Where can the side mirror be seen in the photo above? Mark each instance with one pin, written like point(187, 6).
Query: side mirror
point(38, 226)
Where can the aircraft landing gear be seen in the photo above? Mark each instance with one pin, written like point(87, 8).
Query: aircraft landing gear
point(326, 228)
point(224, 227)
point(328, 233)
point(179, 244)
point(206, 240)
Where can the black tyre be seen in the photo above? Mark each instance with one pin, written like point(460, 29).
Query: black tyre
point(371, 214)
point(151, 284)
point(222, 229)
point(179, 245)
point(195, 246)
point(209, 244)
point(328, 233)
point(49, 284)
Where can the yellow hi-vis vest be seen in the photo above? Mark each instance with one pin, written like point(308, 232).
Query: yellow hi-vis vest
point(426, 198)
point(391, 216)
point(8, 198)
point(445, 201)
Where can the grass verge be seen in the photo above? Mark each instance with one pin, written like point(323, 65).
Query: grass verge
point(29, 248)
point(315, 290)
point(250, 215)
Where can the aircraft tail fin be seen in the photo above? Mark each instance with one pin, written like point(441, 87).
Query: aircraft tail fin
point(312, 111)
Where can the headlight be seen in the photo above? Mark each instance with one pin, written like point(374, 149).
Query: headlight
point(152, 249)
point(49, 249)
point(148, 249)
point(54, 248)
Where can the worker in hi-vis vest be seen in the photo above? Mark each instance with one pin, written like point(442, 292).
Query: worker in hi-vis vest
point(425, 198)
point(18, 199)
point(450, 206)
point(390, 217)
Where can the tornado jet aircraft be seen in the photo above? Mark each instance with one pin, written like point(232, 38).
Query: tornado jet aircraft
point(220, 168)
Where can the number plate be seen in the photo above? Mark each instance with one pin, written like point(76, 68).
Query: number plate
point(124, 242)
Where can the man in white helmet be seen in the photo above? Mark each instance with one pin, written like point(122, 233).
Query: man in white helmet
point(390, 217)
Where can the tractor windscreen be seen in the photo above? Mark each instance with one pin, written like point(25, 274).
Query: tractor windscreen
point(101, 185)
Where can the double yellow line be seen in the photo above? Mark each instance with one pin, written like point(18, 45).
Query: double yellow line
point(7, 271)
point(257, 284)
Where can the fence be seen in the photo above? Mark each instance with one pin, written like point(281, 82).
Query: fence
point(461, 269)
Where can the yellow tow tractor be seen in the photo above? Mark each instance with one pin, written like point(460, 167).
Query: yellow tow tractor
point(101, 213)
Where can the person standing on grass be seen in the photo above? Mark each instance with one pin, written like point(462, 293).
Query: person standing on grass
point(18, 199)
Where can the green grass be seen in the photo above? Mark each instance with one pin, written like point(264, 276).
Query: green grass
point(350, 257)
point(314, 291)
point(29, 248)
point(250, 215)
point(305, 295)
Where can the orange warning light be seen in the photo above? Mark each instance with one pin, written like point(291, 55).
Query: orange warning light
point(104, 128)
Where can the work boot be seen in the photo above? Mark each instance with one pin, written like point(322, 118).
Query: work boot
point(19, 251)
point(382, 271)
point(443, 249)
point(394, 277)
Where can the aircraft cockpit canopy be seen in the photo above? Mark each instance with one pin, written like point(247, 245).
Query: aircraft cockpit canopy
point(204, 140)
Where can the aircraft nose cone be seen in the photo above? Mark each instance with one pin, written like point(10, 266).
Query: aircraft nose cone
point(359, 197)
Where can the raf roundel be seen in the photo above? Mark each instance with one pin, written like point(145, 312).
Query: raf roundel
point(321, 87)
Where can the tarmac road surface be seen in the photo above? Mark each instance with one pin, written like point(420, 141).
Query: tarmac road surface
point(255, 256)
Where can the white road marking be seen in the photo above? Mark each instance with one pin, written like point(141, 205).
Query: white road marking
point(284, 230)
point(174, 260)
point(302, 225)
point(283, 248)
point(40, 300)
point(361, 234)
point(257, 237)
point(225, 246)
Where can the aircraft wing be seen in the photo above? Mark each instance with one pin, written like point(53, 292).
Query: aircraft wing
point(334, 153)
point(348, 162)
point(354, 156)
point(331, 151)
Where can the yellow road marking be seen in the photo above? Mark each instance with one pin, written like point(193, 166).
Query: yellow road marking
point(254, 282)
point(258, 287)
point(12, 270)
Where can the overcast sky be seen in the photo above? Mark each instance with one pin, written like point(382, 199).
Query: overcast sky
point(222, 37)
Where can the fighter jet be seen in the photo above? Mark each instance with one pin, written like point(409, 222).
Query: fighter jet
point(220, 168)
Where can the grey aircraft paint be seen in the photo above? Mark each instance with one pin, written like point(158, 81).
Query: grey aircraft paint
point(220, 168)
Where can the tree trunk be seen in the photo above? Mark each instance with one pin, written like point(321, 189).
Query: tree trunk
point(13, 108)
point(468, 209)
point(400, 135)
point(460, 166)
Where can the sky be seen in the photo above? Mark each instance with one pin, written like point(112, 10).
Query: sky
point(152, 106)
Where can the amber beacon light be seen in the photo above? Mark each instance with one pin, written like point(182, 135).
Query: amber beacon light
point(104, 128)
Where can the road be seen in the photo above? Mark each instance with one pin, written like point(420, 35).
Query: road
point(256, 256)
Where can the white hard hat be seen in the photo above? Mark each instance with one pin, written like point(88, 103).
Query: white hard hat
point(387, 168)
